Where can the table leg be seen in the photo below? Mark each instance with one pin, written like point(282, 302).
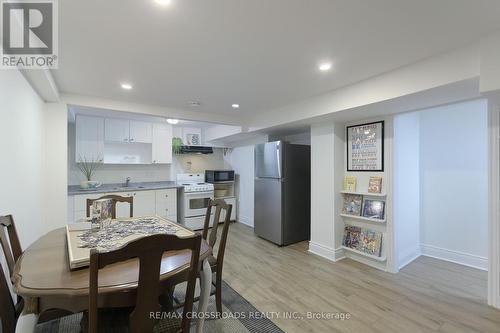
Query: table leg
point(29, 317)
point(205, 286)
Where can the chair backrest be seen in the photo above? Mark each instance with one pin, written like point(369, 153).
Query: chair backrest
point(10, 242)
point(220, 205)
point(115, 198)
point(149, 251)
point(7, 308)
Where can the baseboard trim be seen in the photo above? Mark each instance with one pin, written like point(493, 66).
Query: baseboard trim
point(456, 257)
point(408, 256)
point(326, 252)
point(245, 220)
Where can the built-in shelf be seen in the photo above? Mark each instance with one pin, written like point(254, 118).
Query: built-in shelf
point(364, 254)
point(362, 218)
point(365, 193)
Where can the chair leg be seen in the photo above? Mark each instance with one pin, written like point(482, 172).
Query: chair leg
point(218, 294)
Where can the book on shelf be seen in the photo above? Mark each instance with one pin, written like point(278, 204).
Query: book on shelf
point(374, 209)
point(350, 183)
point(352, 204)
point(375, 184)
point(363, 240)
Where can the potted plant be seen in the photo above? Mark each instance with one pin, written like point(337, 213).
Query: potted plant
point(88, 167)
point(177, 145)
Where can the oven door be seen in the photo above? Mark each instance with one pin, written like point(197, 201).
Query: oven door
point(196, 203)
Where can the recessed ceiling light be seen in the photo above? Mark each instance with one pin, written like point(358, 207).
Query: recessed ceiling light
point(173, 121)
point(325, 66)
point(126, 86)
point(235, 106)
point(194, 104)
point(163, 2)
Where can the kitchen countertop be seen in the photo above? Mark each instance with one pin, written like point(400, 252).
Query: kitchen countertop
point(110, 188)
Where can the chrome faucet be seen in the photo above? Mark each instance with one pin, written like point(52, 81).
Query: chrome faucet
point(127, 182)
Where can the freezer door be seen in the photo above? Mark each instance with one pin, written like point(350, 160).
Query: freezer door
point(268, 209)
point(268, 160)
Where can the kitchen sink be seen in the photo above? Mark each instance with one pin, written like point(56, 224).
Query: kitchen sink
point(128, 188)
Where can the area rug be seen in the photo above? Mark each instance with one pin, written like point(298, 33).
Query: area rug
point(239, 317)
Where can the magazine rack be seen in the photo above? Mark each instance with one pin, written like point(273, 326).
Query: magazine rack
point(381, 225)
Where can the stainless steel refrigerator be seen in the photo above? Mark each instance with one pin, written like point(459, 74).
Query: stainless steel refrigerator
point(282, 212)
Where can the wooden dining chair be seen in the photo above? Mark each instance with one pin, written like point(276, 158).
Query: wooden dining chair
point(217, 262)
point(10, 242)
point(116, 199)
point(11, 247)
point(149, 251)
point(9, 312)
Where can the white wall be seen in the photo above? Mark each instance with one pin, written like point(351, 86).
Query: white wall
point(241, 160)
point(55, 180)
point(322, 190)
point(454, 182)
point(406, 187)
point(23, 155)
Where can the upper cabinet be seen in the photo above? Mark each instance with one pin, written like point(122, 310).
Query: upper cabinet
point(89, 139)
point(162, 143)
point(122, 141)
point(121, 130)
point(117, 130)
point(141, 132)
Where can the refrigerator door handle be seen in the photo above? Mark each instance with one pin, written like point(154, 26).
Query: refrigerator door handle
point(278, 159)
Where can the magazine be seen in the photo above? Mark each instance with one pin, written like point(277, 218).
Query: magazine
point(350, 183)
point(375, 185)
point(364, 240)
point(351, 236)
point(352, 204)
point(370, 242)
point(374, 209)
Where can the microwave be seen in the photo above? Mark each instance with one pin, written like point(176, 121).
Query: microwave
point(217, 176)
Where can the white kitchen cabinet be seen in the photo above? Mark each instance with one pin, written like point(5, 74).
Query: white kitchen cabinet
point(146, 203)
point(89, 140)
point(166, 203)
point(117, 130)
point(162, 143)
point(140, 132)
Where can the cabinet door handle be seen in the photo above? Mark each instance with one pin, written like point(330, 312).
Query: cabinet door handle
point(166, 195)
point(131, 139)
point(166, 209)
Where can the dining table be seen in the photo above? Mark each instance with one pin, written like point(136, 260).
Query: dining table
point(46, 280)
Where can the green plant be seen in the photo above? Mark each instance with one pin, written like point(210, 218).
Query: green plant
point(177, 145)
point(88, 167)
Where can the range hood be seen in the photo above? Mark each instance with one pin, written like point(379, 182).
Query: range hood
point(196, 150)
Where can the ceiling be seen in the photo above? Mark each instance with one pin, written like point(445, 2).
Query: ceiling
point(261, 54)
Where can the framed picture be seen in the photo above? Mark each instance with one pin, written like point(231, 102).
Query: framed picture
point(365, 147)
point(374, 209)
point(193, 139)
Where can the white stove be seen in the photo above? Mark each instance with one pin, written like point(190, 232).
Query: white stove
point(194, 200)
point(194, 182)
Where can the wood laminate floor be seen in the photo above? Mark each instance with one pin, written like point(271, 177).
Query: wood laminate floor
point(428, 295)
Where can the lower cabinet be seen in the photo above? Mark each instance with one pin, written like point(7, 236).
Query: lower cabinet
point(159, 202)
